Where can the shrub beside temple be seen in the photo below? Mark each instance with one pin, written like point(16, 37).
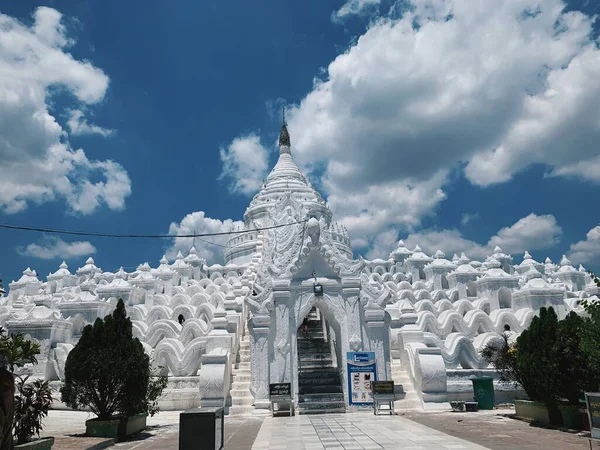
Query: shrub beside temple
point(555, 362)
point(22, 409)
point(109, 372)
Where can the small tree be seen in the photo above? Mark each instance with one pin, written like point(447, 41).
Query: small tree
point(591, 333)
point(109, 371)
point(32, 403)
point(15, 351)
point(537, 365)
point(576, 375)
point(503, 357)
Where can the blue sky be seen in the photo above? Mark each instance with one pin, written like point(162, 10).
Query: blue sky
point(449, 126)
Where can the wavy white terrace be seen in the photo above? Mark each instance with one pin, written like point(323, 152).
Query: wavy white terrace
point(223, 333)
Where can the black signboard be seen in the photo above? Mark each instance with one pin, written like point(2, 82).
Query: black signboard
point(593, 406)
point(382, 389)
point(280, 391)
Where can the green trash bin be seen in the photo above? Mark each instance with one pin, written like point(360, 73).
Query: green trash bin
point(484, 392)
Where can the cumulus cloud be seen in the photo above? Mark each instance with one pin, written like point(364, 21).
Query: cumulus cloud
point(51, 247)
point(355, 7)
point(245, 164)
point(38, 162)
point(588, 250)
point(490, 90)
point(79, 125)
point(530, 233)
point(449, 241)
point(210, 248)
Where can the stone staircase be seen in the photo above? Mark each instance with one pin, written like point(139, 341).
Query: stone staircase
point(401, 376)
point(320, 389)
point(241, 398)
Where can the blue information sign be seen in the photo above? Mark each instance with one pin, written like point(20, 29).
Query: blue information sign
point(362, 370)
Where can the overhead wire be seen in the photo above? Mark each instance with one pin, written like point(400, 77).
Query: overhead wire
point(143, 236)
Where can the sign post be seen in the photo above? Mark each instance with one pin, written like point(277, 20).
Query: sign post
point(281, 393)
point(383, 392)
point(362, 371)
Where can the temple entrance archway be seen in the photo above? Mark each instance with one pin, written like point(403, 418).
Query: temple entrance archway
point(319, 361)
point(323, 312)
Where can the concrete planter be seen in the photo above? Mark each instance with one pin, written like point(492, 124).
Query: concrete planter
point(471, 406)
point(458, 406)
point(571, 416)
point(38, 444)
point(116, 427)
point(538, 412)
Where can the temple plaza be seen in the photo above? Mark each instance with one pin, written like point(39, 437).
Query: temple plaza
point(293, 306)
point(495, 430)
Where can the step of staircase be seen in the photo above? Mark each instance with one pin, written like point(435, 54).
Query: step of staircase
point(241, 410)
point(321, 407)
point(411, 399)
point(319, 389)
point(241, 397)
point(321, 397)
point(242, 401)
point(319, 384)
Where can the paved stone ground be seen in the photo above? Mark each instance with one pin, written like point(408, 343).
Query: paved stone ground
point(68, 429)
point(496, 431)
point(352, 432)
point(412, 430)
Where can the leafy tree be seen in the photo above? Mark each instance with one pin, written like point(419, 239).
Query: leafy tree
point(537, 364)
point(32, 404)
point(590, 338)
point(15, 351)
point(503, 357)
point(575, 375)
point(109, 371)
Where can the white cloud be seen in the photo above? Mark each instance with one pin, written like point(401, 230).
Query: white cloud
point(588, 250)
point(466, 218)
point(245, 163)
point(38, 163)
point(402, 201)
point(51, 247)
point(382, 245)
point(355, 7)
point(449, 241)
point(198, 223)
point(78, 125)
point(489, 87)
point(530, 233)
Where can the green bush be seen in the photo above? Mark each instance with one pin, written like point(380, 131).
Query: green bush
point(537, 363)
point(503, 357)
point(551, 360)
point(590, 338)
point(576, 374)
point(15, 351)
point(109, 371)
point(32, 403)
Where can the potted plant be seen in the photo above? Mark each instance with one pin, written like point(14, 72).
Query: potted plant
point(32, 403)
point(550, 362)
point(109, 372)
point(531, 362)
point(24, 411)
